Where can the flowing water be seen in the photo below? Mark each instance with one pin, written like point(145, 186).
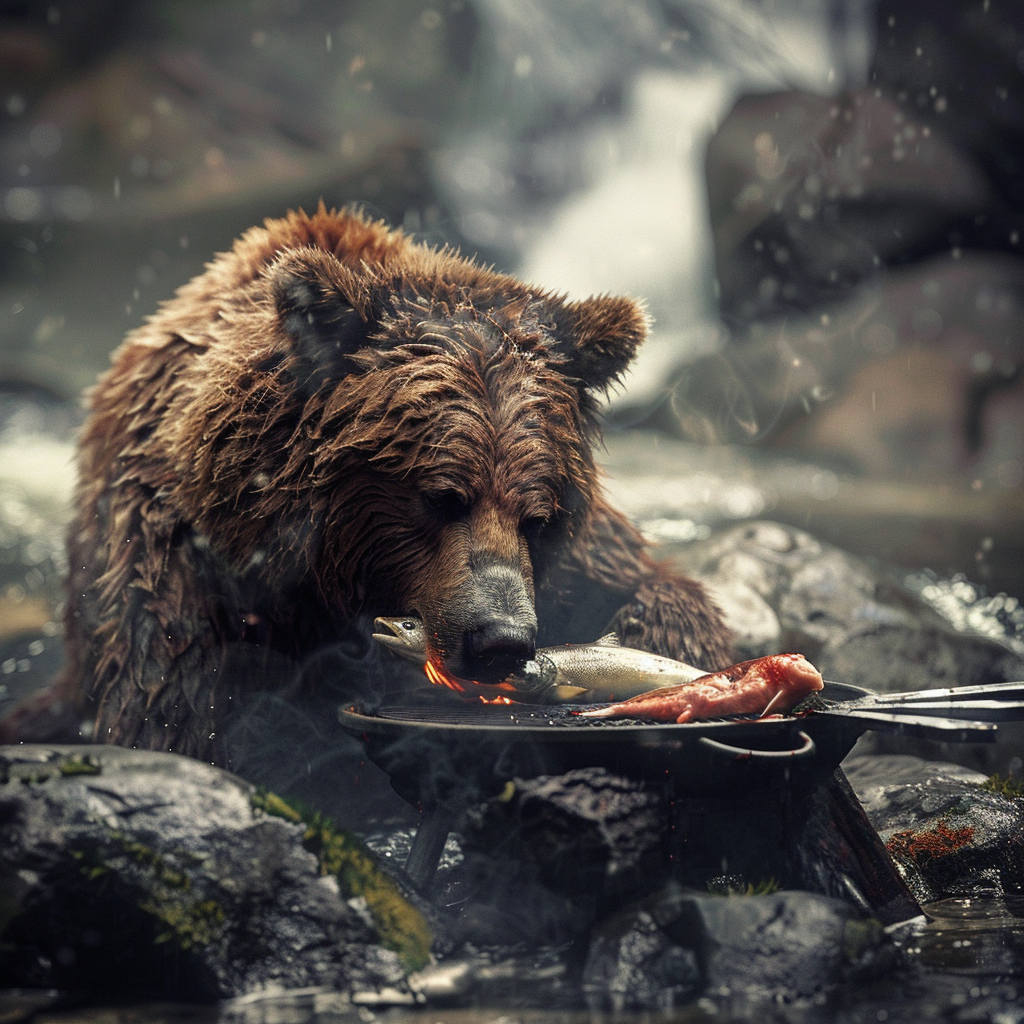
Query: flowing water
point(965, 962)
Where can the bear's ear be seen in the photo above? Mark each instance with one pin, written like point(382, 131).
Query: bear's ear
point(598, 338)
point(321, 304)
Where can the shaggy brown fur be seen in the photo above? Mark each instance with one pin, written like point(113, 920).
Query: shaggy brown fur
point(332, 421)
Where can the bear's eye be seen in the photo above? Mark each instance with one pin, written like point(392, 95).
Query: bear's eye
point(533, 526)
point(446, 505)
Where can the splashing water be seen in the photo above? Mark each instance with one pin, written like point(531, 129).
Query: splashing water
point(968, 608)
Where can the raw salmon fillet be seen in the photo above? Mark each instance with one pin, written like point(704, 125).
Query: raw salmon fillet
point(761, 686)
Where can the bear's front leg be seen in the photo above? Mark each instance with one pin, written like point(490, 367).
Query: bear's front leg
point(150, 611)
point(607, 572)
point(672, 615)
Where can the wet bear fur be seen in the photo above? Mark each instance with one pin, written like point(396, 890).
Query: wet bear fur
point(330, 423)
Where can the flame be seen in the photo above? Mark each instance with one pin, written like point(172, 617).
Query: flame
point(439, 677)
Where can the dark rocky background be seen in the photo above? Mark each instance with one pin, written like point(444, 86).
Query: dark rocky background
point(822, 204)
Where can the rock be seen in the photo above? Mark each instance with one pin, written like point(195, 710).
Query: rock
point(781, 192)
point(791, 944)
point(634, 965)
point(892, 658)
point(856, 624)
point(126, 871)
point(585, 832)
point(547, 857)
point(948, 834)
point(859, 334)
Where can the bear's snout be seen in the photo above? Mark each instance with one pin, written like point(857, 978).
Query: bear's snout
point(501, 645)
point(492, 624)
point(502, 630)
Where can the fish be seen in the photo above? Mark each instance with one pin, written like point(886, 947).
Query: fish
point(607, 671)
point(407, 637)
point(593, 673)
point(765, 685)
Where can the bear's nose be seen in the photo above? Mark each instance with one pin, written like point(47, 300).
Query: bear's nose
point(499, 647)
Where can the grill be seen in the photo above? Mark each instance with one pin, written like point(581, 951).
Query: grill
point(733, 783)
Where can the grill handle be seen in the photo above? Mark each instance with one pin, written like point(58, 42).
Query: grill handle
point(806, 749)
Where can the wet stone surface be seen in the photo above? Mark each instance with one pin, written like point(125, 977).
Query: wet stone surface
point(784, 589)
point(294, 950)
point(137, 872)
point(948, 834)
point(659, 955)
point(585, 832)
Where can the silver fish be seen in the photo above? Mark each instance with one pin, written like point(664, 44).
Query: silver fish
point(592, 673)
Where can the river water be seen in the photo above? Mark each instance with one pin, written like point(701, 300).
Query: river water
point(963, 962)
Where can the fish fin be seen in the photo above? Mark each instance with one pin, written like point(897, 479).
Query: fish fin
point(565, 694)
point(608, 640)
point(773, 703)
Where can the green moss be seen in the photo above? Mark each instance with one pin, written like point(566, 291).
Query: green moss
point(153, 861)
point(1011, 788)
point(189, 923)
point(272, 804)
point(79, 764)
point(90, 864)
point(187, 920)
point(732, 886)
point(71, 765)
point(400, 925)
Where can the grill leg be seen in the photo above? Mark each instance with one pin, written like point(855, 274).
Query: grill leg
point(427, 846)
point(842, 855)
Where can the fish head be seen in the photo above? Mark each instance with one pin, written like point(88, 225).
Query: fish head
point(405, 635)
point(537, 674)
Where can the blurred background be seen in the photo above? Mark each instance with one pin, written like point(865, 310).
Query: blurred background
point(821, 201)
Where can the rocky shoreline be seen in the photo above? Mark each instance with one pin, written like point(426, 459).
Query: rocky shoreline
point(141, 875)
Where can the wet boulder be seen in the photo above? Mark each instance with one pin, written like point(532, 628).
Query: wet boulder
point(544, 859)
point(586, 832)
point(661, 953)
point(126, 871)
point(858, 625)
point(951, 831)
point(634, 964)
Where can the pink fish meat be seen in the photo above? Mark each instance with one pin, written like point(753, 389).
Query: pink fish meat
point(761, 686)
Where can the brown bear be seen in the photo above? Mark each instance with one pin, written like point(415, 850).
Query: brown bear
point(331, 422)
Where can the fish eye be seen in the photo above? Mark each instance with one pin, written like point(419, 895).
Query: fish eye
point(533, 526)
point(408, 625)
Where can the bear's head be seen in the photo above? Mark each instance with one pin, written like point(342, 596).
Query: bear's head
point(408, 431)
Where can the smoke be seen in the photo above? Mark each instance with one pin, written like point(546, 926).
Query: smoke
point(288, 738)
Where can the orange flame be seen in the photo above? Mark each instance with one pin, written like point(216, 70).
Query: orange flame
point(439, 677)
